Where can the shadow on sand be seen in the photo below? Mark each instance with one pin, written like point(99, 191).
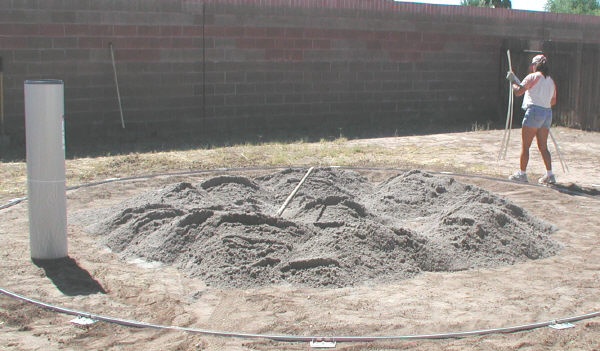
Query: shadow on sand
point(574, 189)
point(68, 277)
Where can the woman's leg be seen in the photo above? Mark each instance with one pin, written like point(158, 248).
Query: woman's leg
point(527, 134)
point(542, 142)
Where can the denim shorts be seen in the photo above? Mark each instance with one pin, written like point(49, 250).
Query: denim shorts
point(537, 117)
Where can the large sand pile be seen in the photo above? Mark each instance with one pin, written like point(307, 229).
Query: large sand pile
point(339, 230)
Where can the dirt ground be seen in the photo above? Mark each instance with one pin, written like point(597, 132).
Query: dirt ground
point(96, 280)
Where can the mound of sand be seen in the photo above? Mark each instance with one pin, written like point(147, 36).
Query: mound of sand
point(339, 230)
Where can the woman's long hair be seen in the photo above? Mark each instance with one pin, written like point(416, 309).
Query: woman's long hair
point(542, 67)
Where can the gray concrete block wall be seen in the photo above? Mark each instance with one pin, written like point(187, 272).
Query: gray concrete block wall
point(188, 67)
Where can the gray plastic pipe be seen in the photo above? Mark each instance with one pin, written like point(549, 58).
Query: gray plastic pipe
point(18, 200)
point(299, 338)
point(294, 338)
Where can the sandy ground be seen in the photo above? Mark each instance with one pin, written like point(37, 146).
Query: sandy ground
point(97, 281)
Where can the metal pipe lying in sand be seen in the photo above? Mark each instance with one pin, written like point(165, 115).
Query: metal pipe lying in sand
point(289, 198)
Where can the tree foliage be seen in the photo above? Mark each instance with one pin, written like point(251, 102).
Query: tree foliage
point(588, 7)
point(487, 3)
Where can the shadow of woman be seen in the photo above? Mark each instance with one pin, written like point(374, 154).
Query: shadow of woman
point(68, 277)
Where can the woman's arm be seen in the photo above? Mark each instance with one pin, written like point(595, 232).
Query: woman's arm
point(527, 83)
point(518, 89)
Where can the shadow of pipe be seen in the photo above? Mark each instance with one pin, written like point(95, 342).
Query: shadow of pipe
point(68, 277)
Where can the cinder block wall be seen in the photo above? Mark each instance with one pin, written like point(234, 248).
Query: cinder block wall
point(198, 69)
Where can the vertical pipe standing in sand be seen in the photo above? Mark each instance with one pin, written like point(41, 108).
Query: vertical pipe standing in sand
point(45, 146)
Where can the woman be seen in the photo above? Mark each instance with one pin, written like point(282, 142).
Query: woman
point(540, 96)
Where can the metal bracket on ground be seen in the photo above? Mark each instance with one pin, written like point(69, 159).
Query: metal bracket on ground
point(561, 326)
point(83, 321)
point(322, 344)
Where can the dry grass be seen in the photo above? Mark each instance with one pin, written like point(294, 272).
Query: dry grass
point(339, 152)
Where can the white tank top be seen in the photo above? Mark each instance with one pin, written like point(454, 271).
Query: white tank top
point(540, 90)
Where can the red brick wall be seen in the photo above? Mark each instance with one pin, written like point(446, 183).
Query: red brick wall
point(194, 68)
